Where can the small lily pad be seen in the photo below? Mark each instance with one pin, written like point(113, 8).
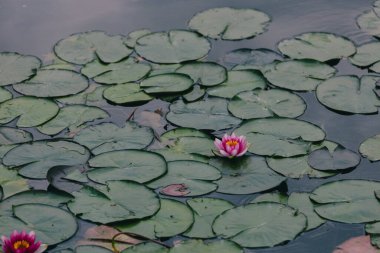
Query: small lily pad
point(166, 83)
point(133, 36)
point(370, 148)
point(194, 94)
point(11, 183)
point(5, 95)
point(126, 93)
point(369, 21)
point(204, 73)
point(366, 55)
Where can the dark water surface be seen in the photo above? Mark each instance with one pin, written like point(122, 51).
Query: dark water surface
point(34, 26)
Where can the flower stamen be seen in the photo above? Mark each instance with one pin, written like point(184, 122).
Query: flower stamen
point(21, 244)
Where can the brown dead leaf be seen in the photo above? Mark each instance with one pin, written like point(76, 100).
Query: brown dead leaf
point(360, 244)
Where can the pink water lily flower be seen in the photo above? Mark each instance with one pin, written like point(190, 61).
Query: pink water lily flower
point(22, 243)
point(231, 146)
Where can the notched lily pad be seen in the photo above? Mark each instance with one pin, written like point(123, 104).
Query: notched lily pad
point(370, 148)
point(5, 95)
point(166, 83)
point(126, 93)
point(204, 73)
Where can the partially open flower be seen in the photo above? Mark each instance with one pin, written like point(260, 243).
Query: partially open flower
point(231, 146)
point(22, 243)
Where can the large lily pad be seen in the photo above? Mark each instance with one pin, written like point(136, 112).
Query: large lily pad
point(204, 73)
point(299, 75)
point(172, 219)
point(28, 111)
point(136, 165)
point(15, 68)
point(366, 55)
point(174, 46)
point(318, 46)
point(195, 176)
point(37, 158)
point(193, 115)
point(246, 175)
point(229, 23)
point(9, 136)
point(126, 93)
point(238, 81)
point(220, 246)
point(11, 183)
point(370, 148)
point(350, 94)
point(82, 48)
point(146, 247)
point(5, 95)
point(205, 211)
point(260, 225)
point(349, 201)
point(166, 83)
point(72, 117)
point(51, 224)
point(266, 103)
point(109, 137)
point(53, 83)
point(121, 200)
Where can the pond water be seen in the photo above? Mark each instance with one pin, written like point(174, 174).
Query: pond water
point(32, 27)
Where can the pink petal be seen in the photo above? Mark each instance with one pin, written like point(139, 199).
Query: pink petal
point(218, 144)
point(175, 190)
point(360, 244)
point(224, 153)
point(234, 152)
point(242, 152)
point(42, 248)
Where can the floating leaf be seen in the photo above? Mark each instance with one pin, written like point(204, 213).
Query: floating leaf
point(357, 244)
point(246, 175)
point(37, 158)
point(196, 93)
point(121, 200)
point(369, 21)
point(15, 68)
point(229, 23)
point(175, 46)
point(146, 247)
point(126, 93)
point(132, 37)
point(370, 148)
point(175, 190)
point(366, 55)
point(182, 132)
point(260, 225)
point(204, 73)
point(374, 231)
point(136, 165)
point(220, 246)
point(194, 145)
point(5, 95)
point(9, 136)
point(93, 95)
point(173, 155)
point(11, 183)
point(266, 103)
point(29, 111)
point(318, 46)
point(166, 83)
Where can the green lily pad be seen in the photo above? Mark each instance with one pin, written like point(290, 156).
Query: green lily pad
point(266, 103)
point(82, 48)
point(369, 21)
point(193, 145)
point(172, 219)
point(260, 225)
point(53, 83)
point(277, 197)
point(114, 73)
point(318, 46)
point(374, 231)
point(121, 200)
point(37, 158)
point(72, 117)
point(109, 137)
point(247, 58)
point(238, 81)
point(126, 93)
point(146, 247)
point(175, 46)
point(195, 176)
point(9, 136)
point(159, 69)
point(220, 246)
point(28, 111)
point(136, 165)
point(246, 175)
point(166, 83)
point(229, 23)
point(348, 201)
point(92, 249)
point(93, 95)
point(173, 155)
point(204, 73)
point(51, 224)
point(182, 132)
point(193, 115)
point(5, 95)
point(15, 68)
point(11, 183)
point(298, 75)
point(350, 94)
point(194, 94)
point(205, 211)
point(133, 36)
point(279, 136)
point(370, 148)
point(366, 55)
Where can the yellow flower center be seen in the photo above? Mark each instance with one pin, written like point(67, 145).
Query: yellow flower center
point(21, 245)
point(231, 143)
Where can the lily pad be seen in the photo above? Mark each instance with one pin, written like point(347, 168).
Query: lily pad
point(238, 81)
point(229, 23)
point(172, 219)
point(53, 83)
point(196, 176)
point(369, 21)
point(93, 95)
point(166, 83)
point(82, 48)
point(28, 111)
point(266, 103)
point(11, 183)
point(350, 94)
point(146, 247)
point(193, 145)
point(260, 225)
point(15, 68)
point(318, 46)
point(298, 75)
point(182, 132)
point(175, 46)
point(373, 230)
point(9, 136)
point(348, 201)
point(220, 246)
point(173, 155)
point(126, 93)
point(193, 115)
point(109, 137)
point(247, 175)
point(204, 73)
point(133, 36)
point(51, 224)
point(205, 211)
point(370, 148)
point(366, 55)
point(121, 200)
point(136, 165)
point(5, 95)
point(72, 117)
point(194, 94)
point(37, 158)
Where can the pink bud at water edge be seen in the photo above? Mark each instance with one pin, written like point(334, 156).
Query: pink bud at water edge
point(21, 242)
point(231, 146)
